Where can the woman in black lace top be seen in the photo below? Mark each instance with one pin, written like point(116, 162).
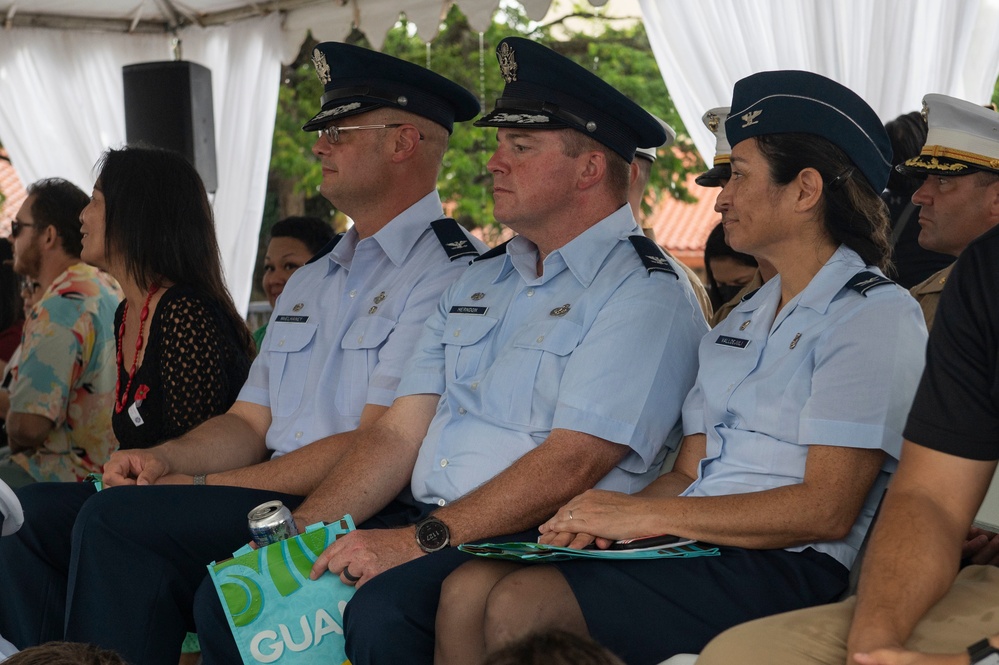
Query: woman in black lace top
point(183, 351)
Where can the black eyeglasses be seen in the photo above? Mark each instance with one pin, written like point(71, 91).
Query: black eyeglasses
point(332, 132)
point(16, 226)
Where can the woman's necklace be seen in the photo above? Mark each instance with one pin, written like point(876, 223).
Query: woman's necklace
point(119, 404)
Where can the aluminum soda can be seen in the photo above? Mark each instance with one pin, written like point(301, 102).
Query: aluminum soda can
point(271, 522)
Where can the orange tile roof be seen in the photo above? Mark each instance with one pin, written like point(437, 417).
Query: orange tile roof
point(13, 191)
point(682, 228)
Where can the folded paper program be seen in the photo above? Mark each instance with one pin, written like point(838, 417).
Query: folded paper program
point(538, 553)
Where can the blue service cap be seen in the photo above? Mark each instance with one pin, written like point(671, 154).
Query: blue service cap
point(357, 80)
point(783, 102)
point(545, 90)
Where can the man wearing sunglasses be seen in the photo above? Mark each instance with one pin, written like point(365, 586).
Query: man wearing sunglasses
point(58, 414)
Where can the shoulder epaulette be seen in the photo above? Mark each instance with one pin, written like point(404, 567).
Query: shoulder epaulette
point(651, 256)
point(452, 239)
point(750, 294)
point(866, 280)
point(498, 250)
point(327, 248)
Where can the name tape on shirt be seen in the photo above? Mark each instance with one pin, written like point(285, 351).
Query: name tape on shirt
point(287, 318)
point(467, 309)
point(732, 341)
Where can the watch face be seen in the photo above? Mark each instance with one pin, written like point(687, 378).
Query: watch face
point(433, 535)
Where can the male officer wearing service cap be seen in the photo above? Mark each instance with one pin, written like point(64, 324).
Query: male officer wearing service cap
point(908, 594)
point(955, 208)
point(331, 362)
point(557, 363)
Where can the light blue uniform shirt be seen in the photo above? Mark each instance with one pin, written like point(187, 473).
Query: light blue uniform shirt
point(346, 324)
point(596, 345)
point(836, 368)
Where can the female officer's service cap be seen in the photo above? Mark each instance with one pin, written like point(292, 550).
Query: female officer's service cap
point(545, 90)
point(357, 80)
point(714, 120)
point(783, 102)
point(962, 138)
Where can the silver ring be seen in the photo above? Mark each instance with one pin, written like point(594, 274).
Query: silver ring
point(346, 573)
point(570, 514)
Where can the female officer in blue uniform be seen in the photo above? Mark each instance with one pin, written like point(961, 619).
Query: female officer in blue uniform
point(791, 430)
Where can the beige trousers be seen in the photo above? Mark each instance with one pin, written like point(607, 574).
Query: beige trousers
point(966, 614)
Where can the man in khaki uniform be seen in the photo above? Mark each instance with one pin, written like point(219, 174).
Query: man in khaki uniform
point(910, 594)
point(948, 222)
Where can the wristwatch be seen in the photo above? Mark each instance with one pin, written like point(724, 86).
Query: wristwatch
point(983, 653)
point(432, 535)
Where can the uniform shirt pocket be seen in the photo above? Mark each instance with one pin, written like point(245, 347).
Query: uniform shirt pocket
point(290, 347)
point(464, 344)
point(530, 377)
point(360, 346)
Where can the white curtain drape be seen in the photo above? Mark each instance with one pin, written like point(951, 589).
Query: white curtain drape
point(891, 52)
point(62, 105)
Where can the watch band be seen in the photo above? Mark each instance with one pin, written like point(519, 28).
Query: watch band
point(199, 480)
point(983, 653)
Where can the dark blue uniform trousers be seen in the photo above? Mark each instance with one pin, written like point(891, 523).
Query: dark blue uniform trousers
point(124, 575)
point(34, 563)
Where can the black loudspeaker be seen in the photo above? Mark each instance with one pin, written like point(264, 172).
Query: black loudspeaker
point(169, 105)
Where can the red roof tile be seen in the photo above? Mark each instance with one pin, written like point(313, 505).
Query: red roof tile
point(682, 228)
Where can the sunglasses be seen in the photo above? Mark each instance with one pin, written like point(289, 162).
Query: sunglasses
point(16, 226)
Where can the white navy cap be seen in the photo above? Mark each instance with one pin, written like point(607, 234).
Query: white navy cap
point(962, 138)
point(650, 153)
point(721, 170)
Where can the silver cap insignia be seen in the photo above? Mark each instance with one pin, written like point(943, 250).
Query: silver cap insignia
point(507, 63)
point(322, 69)
point(750, 117)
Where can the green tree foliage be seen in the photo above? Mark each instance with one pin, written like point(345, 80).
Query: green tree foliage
point(622, 57)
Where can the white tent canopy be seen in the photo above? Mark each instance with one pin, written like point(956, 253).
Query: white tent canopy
point(61, 94)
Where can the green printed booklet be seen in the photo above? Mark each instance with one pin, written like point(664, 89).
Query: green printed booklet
point(275, 611)
point(529, 552)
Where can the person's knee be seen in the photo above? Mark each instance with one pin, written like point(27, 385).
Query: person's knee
point(528, 601)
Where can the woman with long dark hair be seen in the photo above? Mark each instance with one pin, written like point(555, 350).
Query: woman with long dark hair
point(792, 428)
point(183, 351)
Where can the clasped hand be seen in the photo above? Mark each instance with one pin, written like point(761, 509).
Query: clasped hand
point(134, 467)
point(595, 516)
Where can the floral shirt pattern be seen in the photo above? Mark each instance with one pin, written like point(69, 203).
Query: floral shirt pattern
point(66, 373)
